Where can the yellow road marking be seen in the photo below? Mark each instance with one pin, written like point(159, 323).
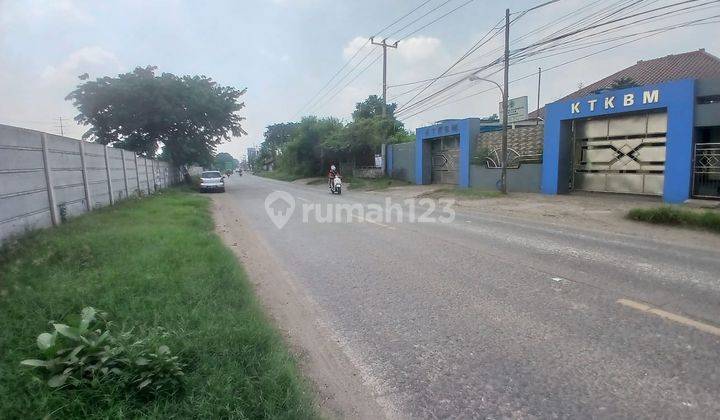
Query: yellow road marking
point(670, 316)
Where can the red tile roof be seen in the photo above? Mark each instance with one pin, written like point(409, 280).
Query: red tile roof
point(690, 65)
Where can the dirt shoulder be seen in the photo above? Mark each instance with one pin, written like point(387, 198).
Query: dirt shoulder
point(340, 390)
point(590, 211)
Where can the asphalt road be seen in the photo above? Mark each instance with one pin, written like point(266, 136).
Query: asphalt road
point(495, 317)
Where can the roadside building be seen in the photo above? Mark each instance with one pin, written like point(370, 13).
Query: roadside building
point(660, 135)
point(652, 128)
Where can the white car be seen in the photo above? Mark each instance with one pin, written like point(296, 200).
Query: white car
point(212, 181)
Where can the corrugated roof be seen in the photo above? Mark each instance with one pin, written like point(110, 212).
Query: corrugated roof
point(690, 65)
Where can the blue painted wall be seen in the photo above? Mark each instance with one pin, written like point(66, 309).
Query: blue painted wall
point(389, 159)
point(677, 97)
point(467, 129)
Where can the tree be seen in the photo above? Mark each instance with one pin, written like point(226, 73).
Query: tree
point(361, 139)
point(303, 155)
point(372, 107)
point(187, 116)
point(225, 162)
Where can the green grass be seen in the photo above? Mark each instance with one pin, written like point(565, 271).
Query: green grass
point(667, 215)
point(373, 184)
point(279, 175)
point(462, 193)
point(152, 262)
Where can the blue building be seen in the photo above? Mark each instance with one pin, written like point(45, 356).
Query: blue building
point(661, 138)
point(443, 150)
point(658, 136)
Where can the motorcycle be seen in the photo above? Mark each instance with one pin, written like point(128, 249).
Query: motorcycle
point(336, 185)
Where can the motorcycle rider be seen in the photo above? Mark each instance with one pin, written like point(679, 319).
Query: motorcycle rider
point(331, 175)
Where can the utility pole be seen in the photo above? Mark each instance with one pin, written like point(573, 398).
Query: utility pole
point(537, 120)
point(385, 46)
point(61, 128)
point(503, 176)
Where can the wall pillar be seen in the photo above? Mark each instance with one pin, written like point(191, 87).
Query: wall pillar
point(54, 217)
point(83, 164)
point(109, 177)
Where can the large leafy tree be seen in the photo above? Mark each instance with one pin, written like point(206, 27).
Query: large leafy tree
point(225, 162)
point(188, 116)
point(304, 154)
point(362, 137)
point(276, 137)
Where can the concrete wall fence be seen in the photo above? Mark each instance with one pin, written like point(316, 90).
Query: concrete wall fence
point(44, 178)
point(401, 161)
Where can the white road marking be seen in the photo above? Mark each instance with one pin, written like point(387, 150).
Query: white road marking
point(364, 220)
point(558, 279)
point(303, 199)
point(670, 316)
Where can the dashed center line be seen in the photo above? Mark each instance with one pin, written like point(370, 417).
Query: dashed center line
point(643, 307)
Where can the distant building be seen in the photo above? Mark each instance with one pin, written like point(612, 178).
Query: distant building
point(251, 154)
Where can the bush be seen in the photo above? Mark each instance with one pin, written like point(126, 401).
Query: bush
point(88, 355)
point(668, 215)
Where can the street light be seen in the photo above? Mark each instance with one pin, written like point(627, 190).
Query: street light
point(503, 158)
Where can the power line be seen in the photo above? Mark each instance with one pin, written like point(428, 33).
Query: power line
point(358, 52)
point(435, 20)
point(489, 35)
point(595, 26)
point(405, 108)
point(417, 19)
point(706, 21)
point(337, 92)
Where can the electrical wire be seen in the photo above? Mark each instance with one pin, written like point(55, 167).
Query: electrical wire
point(706, 21)
point(347, 62)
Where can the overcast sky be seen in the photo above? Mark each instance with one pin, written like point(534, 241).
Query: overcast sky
point(284, 51)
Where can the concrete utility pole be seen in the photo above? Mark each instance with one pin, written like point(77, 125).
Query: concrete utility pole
point(385, 46)
point(62, 133)
point(503, 176)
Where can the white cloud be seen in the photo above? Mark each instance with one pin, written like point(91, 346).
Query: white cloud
point(62, 9)
point(353, 46)
point(84, 60)
point(418, 48)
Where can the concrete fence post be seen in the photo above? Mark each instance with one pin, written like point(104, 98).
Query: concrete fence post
point(147, 176)
point(54, 217)
point(122, 157)
point(152, 168)
point(109, 178)
point(137, 173)
point(83, 164)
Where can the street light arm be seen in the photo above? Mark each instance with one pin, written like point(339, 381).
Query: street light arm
point(474, 77)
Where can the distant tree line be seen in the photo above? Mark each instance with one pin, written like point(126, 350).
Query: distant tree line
point(310, 146)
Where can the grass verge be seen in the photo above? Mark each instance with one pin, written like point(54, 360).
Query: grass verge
point(280, 176)
point(667, 215)
point(462, 193)
point(148, 263)
point(373, 184)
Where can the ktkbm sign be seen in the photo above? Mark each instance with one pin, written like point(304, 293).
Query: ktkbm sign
point(611, 102)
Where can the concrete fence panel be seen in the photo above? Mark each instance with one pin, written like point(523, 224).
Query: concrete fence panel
point(67, 173)
point(23, 188)
point(82, 176)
